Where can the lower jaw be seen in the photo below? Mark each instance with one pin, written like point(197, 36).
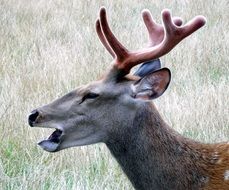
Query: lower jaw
point(52, 143)
point(49, 145)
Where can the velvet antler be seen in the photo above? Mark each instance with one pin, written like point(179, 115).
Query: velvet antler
point(162, 39)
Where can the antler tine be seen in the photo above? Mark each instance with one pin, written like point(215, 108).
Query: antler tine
point(102, 38)
point(193, 25)
point(177, 21)
point(155, 31)
point(120, 51)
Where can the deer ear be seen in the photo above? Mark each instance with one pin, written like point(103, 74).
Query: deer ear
point(153, 84)
point(148, 67)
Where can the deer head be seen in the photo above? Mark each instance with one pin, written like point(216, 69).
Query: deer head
point(107, 107)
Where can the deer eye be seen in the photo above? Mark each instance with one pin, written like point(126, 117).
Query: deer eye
point(89, 95)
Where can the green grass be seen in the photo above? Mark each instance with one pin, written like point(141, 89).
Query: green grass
point(48, 48)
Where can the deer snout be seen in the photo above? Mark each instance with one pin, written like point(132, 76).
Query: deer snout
point(33, 117)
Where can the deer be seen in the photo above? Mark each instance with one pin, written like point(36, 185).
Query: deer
point(118, 110)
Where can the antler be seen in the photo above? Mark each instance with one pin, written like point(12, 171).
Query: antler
point(162, 39)
point(155, 31)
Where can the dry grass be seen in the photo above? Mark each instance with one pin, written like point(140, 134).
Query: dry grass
point(50, 47)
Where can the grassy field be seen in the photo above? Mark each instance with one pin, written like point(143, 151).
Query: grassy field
point(48, 48)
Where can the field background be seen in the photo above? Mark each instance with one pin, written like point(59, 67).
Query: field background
point(48, 48)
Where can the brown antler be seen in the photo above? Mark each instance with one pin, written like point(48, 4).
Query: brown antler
point(102, 38)
point(171, 35)
point(155, 31)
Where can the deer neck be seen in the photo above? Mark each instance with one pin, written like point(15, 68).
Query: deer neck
point(154, 156)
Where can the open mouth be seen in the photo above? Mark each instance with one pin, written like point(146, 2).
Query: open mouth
point(52, 143)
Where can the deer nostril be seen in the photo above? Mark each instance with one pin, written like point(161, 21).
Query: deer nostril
point(32, 117)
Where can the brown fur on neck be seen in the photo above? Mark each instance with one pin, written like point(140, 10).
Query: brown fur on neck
point(154, 156)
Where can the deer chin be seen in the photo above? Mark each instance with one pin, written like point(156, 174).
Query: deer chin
point(53, 142)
